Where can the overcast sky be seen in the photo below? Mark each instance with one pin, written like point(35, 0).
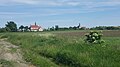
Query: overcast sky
point(48, 13)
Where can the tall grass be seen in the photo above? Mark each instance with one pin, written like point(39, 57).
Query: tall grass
point(63, 51)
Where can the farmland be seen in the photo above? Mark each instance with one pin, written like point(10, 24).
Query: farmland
point(66, 48)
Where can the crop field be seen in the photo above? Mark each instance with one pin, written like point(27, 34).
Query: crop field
point(82, 33)
point(66, 48)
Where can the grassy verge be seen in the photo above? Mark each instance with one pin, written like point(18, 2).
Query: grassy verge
point(62, 51)
point(5, 63)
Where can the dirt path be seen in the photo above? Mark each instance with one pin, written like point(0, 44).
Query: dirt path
point(10, 55)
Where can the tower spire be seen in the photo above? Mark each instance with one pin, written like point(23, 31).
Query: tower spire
point(35, 23)
point(79, 26)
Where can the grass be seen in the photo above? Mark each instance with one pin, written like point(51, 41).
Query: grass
point(13, 50)
point(55, 49)
point(5, 63)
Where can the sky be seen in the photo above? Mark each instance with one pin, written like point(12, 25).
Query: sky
point(65, 13)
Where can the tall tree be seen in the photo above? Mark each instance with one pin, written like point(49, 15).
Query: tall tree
point(12, 26)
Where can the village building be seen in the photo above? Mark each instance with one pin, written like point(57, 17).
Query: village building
point(35, 27)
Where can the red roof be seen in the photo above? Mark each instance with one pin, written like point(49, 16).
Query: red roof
point(34, 27)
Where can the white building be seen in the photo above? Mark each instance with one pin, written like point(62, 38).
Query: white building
point(36, 28)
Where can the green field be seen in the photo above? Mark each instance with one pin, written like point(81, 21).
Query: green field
point(67, 48)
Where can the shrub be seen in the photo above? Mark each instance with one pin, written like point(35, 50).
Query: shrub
point(94, 37)
point(3, 30)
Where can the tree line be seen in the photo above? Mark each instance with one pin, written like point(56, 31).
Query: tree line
point(11, 26)
point(57, 28)
point(106, 28)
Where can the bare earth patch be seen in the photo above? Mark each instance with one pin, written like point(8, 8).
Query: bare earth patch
point(11, 54)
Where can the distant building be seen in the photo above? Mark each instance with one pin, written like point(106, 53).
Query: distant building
point(35, 27)
point(84, 28)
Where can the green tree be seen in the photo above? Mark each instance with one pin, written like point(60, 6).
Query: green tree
point(21, 28)
point(56, 27)
point(12, 26)
point(7, 29)
point(52, 29)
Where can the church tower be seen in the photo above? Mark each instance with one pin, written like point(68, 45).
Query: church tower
point(35, 23)
point(79, 26)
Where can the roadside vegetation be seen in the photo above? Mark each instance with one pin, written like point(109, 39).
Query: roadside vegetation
point(66, 49)
point(5, 63)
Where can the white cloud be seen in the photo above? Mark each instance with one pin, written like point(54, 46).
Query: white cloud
point(82, 6)
point(12, 13)
point(26, 1)
point(16, 2)
point(62, 2)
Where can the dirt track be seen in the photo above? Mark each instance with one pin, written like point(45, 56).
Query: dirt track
point(12, 55)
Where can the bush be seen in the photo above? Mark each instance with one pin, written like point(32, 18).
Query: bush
point(3, 30)
point(94, 37)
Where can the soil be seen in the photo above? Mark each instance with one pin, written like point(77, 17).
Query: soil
point(12, 54)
